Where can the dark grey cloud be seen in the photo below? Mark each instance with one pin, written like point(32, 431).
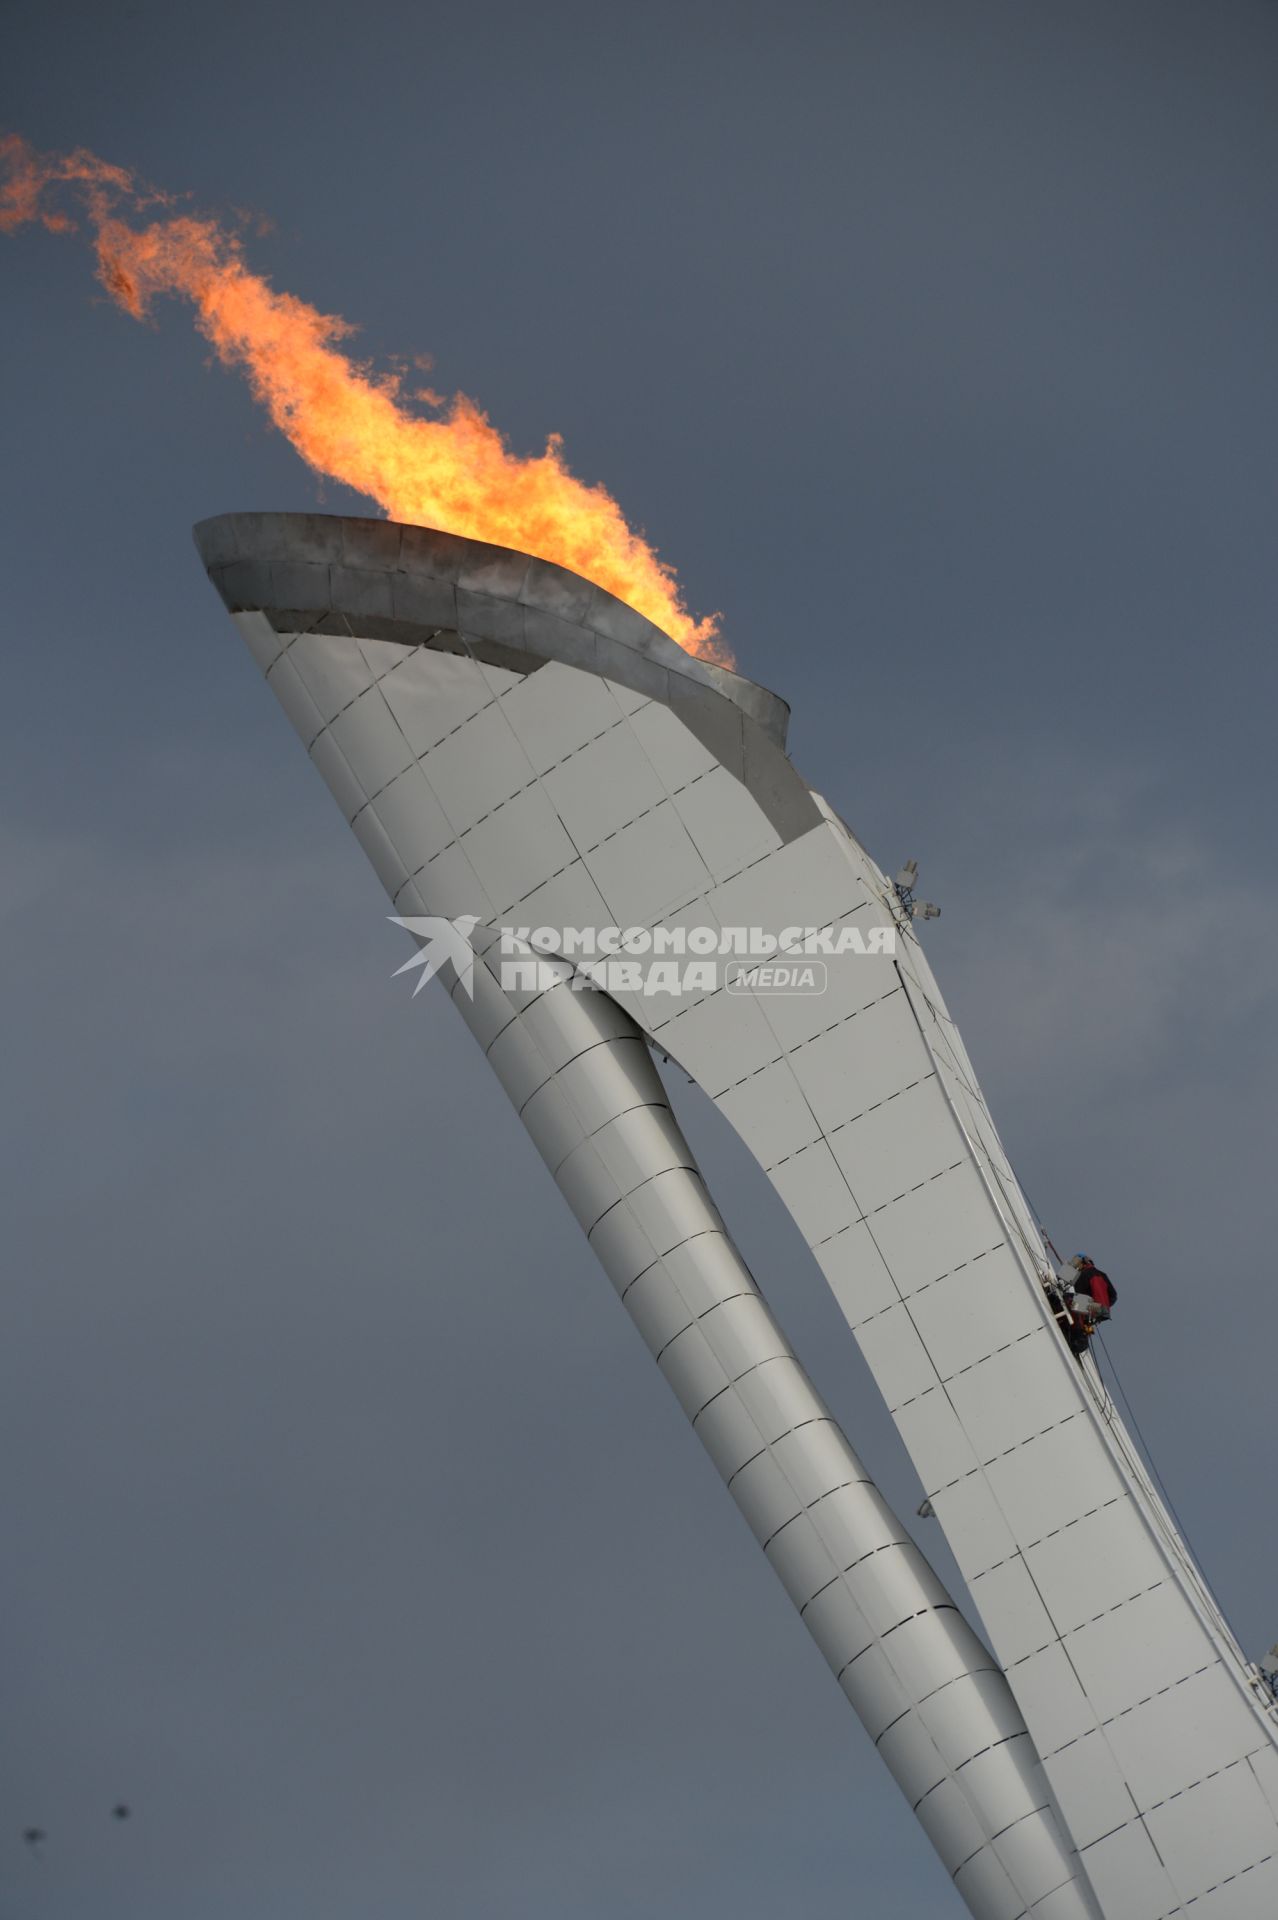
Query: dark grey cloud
point(352, 1536)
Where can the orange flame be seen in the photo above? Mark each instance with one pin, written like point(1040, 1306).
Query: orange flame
point(454, 471)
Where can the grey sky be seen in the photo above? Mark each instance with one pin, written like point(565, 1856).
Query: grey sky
point(351, 1535)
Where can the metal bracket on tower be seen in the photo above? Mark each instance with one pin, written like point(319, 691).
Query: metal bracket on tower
point(905, 883)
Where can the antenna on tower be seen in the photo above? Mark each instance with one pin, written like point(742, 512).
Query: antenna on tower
point(905, 884)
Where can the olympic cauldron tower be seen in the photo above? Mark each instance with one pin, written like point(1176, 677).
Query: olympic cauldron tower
point(510, 742)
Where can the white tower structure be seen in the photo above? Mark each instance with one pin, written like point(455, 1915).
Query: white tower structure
point(509, 742)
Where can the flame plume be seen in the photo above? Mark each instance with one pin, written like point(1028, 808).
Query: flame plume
point(453, 471)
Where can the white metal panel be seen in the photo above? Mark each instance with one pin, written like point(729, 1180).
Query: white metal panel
point(1060, 1904)
point(554, 1128)
point(706, 1269)
point(1049, 1481)
point(384, 656)
point(872, 1685)
point(1094, 1564)
point(1032, 1864)
point(671, 1210)
point(333, 670)
point(1147, 1745)
point(742, 1333)
point(409, 899)
point(857, 1274)
point(728, 1434)
point(367, 734)
point(518, 848)
point(1206, 1834)
point(338, 775)
point(485, 1009)
point(1247, 1893)
point(769, 1112)
point(603, 786)
point(864, 1061)
point(1130, 1880)
point(933, 1649)
point(854, 984)
point(947, 1819)
point(814, 1189)
point(857, 1525)
point(692, 1371)
point(808, 879)
point(983, 1882)
point(966, 1314)
point(568, 899)
point(1086, 1779)
point(1013, 1395)
point(813, 1457)
point(260, 638)
point(765, 1497)
point(646, 868)
point(674, 751)
point(623, 1247)
point(434, 694)
point(987, 1714)
point(902, 1366)
point(721, 1040)
point(1015, 1618)
point(1048, 1690)
point(892, 1151)
point(1265, 1767)
point(478, 767)
point(837, 1624)
point(556, 710)
point(946, 1223)
point(375, 840)
point(414, 819)
point(639, 1144)
point(600, 1084)
point(448, 885)
point(963, 1503)
point(801, 1561)
point(1126, 1655)
point(541, 1018)
point(727, 826)
point(627, 699)
point(912, 1757)
point(290, 690)
point(776, 1396)
point(887, 1587)
point(519, 1063)
point(940, 1450)
point(656, 1309)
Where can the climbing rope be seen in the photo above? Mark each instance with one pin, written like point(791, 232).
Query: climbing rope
point(1134, 1423)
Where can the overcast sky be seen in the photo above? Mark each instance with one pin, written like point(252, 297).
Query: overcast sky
point(351, 1536)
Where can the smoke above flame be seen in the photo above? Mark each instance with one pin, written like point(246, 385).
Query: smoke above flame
point(447, 466)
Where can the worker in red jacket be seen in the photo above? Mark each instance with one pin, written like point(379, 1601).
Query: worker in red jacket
point(1094, 1291)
